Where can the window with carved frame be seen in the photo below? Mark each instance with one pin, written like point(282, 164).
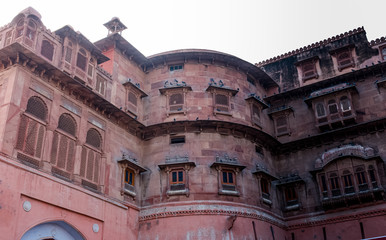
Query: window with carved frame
point(307, 68)
point(227, 177)
point(47, 49)
point(333, 106)
point(222, 99)
point(68, 53)
point(91, 160)
point(256, 107)
point(130, 176)
point(32, 131)
point(344, 57)
point(63, 147)
point(81, 60)
point(100, 85)
point(177, 173)
point(176, 99)
point(134, 94)
point(289, 188)
point(343, 178)
point(264, 179)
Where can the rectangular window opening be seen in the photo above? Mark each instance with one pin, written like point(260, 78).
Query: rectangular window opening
point(177, 139)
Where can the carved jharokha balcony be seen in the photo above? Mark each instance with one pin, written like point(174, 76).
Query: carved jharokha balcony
point(352, 196)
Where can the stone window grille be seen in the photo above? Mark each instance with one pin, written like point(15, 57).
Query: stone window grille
point(31, 133)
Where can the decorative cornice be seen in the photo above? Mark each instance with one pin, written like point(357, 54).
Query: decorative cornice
point(309, 47)
point(377, 41)
point(323, 220)
point(209, 209)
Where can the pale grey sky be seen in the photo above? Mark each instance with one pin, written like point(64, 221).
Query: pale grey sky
point(252, 30)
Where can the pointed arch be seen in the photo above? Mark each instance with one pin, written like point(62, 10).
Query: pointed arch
point(53, 230)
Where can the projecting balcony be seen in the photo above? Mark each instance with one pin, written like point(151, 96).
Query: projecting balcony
point(336, 120)
point(351, 196)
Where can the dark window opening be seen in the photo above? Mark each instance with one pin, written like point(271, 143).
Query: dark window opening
point(177, 139)
point(47, 50)
point(37, 108)
point(175, 68)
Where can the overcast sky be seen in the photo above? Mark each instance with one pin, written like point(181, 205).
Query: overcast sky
point(252, 30)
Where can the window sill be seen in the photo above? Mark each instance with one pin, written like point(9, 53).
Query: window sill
point(128, 192)
point(292, 207)
point(222, 113)
point(267, 201)
point(176, 112)
point(313, 76)
point(228, 192)
point(178, 192)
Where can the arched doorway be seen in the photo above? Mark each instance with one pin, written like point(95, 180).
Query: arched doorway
point(57, 230)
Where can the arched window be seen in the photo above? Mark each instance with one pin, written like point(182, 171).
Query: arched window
point(361, 178)
point(93, 138)
point(90, 70)
point(47, 50)
point(63, 147)
point(68, 55)
point(31, 132)
point(348, 182)
point(345, 104)
point(91, 160)
point(19, 28)
point(334, 184)
point(332, 106)
point(31, 30)
point(81, 60)
point(320, 111)
point(176, 102)
point(372, 176)
point(37, 108)
point(67, 124)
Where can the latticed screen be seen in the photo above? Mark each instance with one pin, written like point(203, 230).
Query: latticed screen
point(68, 53)
point(132, 98)
point(309, 70)
point(47, 49)
point(90, 164)
point(222, 99)
point(81, 60)
point(176, 99)
point(100, 85)
point(281, 125)
point(344, 59)
point(37, 108)
point(93, 138)
point(30, 137)
point(63, 152)
point(67, 124)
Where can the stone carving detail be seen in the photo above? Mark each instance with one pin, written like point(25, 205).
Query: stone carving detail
point(226, 159)
point(174, 83)
point(177, 159)
point(345, 150)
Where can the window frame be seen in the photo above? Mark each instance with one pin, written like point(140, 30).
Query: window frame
point(228, 167)
point(228, 93)
point(178, 187)
point(130, 165)
point(170, 91)
point(382, 50)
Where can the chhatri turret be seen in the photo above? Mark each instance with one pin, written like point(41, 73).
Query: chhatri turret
point(114, 26)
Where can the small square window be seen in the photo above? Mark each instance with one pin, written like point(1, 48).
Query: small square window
point(175, 68)
point(178, 177)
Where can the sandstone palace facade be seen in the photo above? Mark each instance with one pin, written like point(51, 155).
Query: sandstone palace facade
point(98, 141)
